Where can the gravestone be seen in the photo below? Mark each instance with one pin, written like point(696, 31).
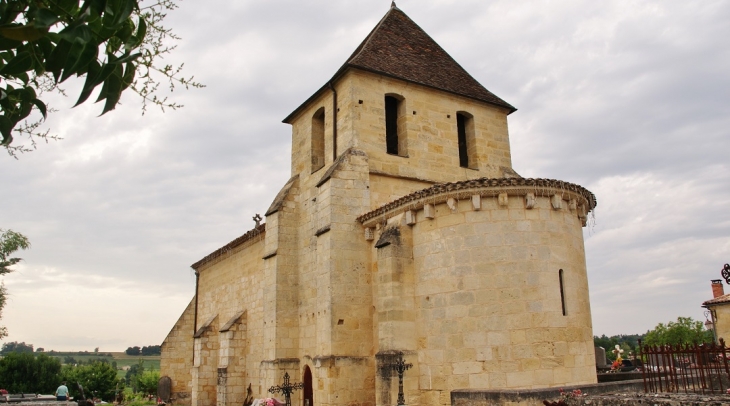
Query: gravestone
point(164, 389)
point(601, 358)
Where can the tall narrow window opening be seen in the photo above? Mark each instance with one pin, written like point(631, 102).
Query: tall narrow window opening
point(467, 140)
point(562, 291)
point(391, 125)
point(318, 140)
point(308, 390)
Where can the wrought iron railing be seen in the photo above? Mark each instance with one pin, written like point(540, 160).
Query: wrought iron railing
point(694, 368)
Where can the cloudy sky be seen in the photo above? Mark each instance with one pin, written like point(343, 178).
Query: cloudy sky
point(630, 99)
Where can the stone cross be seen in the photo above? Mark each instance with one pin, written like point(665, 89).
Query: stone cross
point(618, 351)
point(400, 367)
point(257, 218)
point(287, 388)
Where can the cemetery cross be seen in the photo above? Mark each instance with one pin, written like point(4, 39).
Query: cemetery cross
point(400, 367)
point(287, 388)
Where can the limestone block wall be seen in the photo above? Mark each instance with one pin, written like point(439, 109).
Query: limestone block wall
point(177, 356)
point(721, 314)
point(488, 265)
point(488, 285)
point(334, 292)
point(230, 287)
point(431, 130)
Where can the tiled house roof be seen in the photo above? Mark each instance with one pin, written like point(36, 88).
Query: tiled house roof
point(718, 300)
point(397, 47)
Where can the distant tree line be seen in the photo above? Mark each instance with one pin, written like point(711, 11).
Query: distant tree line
point(683, 331)
point(15, 346)
point(146, 350)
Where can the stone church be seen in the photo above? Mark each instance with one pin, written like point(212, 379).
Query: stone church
point(403, 233)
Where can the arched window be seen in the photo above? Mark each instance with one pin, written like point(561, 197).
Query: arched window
point(467, 140)
point(318, 140)
point(395, 122)
point(562, 291)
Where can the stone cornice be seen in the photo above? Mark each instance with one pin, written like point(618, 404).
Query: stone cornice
point(491, 187)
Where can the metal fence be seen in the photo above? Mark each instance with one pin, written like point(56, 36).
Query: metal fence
point(691, 368)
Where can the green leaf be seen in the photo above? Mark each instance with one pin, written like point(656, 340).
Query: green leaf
point(57, 60)
point(129, 73)
point(41, 106)
point(88, 54)
point(46, 47)
point(112, 69)
point(7, 43)
point(92, 80)
point(124, 12)
point(105, 90)
point(129, 58)
point(114, 92)
point(73, 56)
point(23, 62)
point(22, 32)
point(6, 127)
point(44, 18)
point(138, 38)
point(80, 33)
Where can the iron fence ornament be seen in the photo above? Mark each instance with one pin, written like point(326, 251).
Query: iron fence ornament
point(287, 388)
point(726, 273)
point(401, 367)
point(690, 368)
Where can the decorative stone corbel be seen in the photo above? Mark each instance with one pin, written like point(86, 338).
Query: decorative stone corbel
point(573, 205)
point(369, 234)
point(503, 199)
point(428, 211)
point(476, 202)
point(410, 217)
point(451, 202)
point(530, 200)
point(582, 215)
point(556, 201)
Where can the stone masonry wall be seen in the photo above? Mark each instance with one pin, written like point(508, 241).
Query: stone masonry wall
point(488, 289)
point(228, 286)
point(431, 131)
point(177, 356)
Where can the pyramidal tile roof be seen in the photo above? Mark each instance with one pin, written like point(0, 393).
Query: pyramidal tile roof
point(399, 48)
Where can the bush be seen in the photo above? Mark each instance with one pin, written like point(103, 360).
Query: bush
point(147, 382)
point(26, 373)
point(98, 379)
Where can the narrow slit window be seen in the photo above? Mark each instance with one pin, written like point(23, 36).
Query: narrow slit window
point(467, 140)
point(318, 140)
point(562, 291)
point(391, 125)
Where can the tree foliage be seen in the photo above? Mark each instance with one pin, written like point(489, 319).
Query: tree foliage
point(683, 331)
point(151, 350)
point(132, 375)
point(23, 372)
point(10, 241)
point(147, 382)
point(99, 379)
point(133, 351)
point(15, 346)
point(627, 342)
point(114, 45)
